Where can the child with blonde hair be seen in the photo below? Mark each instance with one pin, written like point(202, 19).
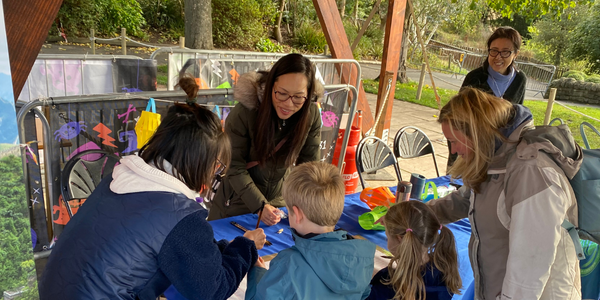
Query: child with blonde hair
point(325, 263)
point(424, 263)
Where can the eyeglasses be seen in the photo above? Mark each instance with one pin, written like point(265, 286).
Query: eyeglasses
point(503, 54)
point(285, 96)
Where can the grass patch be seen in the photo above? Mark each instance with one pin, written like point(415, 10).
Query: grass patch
point(162, 79)
point(408, 91)
point(163, 68)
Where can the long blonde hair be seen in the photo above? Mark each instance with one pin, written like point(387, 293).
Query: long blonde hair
point(478, 116)
point(419, 229)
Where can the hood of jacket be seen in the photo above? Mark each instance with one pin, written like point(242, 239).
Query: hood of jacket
point(250, 92)
point(330, 254)
point(134, 175)
point(522, 115)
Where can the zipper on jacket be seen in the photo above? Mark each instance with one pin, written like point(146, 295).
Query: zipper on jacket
point(476, 244)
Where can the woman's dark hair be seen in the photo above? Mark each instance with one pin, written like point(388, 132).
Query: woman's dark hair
point(506, 32)
point(191, 138)
point(267, 120)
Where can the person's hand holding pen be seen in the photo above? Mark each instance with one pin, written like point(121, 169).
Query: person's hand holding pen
point(257, 236)
point(269, 215)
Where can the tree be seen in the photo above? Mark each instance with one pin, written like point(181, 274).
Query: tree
point(198, 24)
point(530, 9)
point(585, 43)
point(277, 30)
point(550, 36)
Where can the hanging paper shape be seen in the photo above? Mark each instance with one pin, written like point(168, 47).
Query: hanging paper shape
point(131, 138)
point(225, 113)
point(234, 76)
point(217, 111)
point(224, 85)
point(69, 130)
point(329, 119)
point(84, 147)
point(130, 109)
point(216, 68)
point(148, 123)
point(319, 77)
point(103, 133)
point(202, 84)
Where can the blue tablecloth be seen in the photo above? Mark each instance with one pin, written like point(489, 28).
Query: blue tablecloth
point(353, 208)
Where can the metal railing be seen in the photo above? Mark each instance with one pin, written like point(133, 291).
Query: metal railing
point(214, 68)
point(85, 113)
point(58, 75)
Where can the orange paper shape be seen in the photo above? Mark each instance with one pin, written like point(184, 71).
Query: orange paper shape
point(104, 134)
point(380, 196)
point(202, 84)
point(63, 216)
point(234, 76)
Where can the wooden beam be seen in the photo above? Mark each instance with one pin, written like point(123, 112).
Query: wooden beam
point(365, 25)
point(27, 25)
point(392, 46)
point(332, 26)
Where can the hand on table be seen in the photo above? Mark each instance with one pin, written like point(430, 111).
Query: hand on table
point(270, 216)
point(260, 263)
point(257, 236)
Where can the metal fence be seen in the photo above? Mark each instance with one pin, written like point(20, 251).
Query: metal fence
point(460, 62)
point(73, 124)
point(220, 69)
point(55, 75)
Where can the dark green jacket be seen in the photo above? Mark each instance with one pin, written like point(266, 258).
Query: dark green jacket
point(243, 191)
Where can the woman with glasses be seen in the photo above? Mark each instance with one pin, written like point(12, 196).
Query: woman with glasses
point(275, 125)
point(141, 230)
point(498, 76)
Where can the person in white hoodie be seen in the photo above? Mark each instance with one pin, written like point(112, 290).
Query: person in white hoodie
point(141, 230)
point(516, 196)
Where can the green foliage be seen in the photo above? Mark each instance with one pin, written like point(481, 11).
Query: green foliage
point(105, 16)
point(370, 45)
point(575, 74)
point(593, 78)
point(266, 45)
point(16, 258)
point(585, 42)
point(164, 15)
point(550, 37)
point(531, 9)
point(240, 24)
point(310, 38)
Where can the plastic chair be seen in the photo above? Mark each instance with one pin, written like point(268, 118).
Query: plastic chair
point(373, 154)
point(413, 144)
point(556, 120)
point(80, 177)
point(583, 136)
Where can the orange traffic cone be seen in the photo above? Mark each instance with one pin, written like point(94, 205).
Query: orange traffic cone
point(350, 173)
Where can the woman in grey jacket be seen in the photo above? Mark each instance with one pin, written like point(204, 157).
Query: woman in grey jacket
point(516, 196)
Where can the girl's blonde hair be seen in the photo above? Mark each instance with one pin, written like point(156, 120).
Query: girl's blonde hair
point(419, 229)
point(478, 116)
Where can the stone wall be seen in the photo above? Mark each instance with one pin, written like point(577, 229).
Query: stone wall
point(569, 89)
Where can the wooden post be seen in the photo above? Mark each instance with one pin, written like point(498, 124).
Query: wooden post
point(334, 31)
point(182, 42)
point(550, 106)
point(421, 81)
point(93, 41)
point(392, 46)
point(124, 40)
point(365, 25)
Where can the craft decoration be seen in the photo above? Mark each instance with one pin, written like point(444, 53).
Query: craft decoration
point(434, 192)
point(380, 196)
point(130, 109)
point(31, 154)
point(224, 85)
point(131, 138)
point(368, 219)
point(216, 68)
point(103, 133)
point(234, 76)
point(130, 90)
point(329, 119)
point(63, 216)
point(69, 130)
point(202, 84)
point(84, 147)
point(217, 111)
point(225, 113)
point(147, 124)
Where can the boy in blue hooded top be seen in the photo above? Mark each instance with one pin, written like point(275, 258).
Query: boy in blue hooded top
point(324, 264)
